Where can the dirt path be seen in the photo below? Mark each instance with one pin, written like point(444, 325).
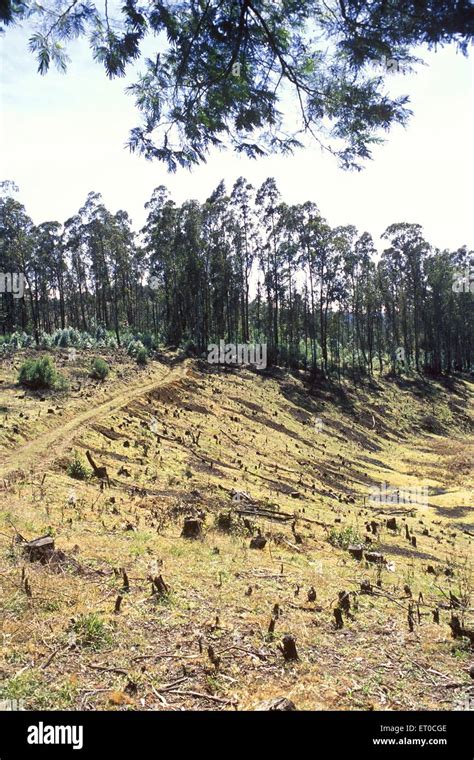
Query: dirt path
point(46, 447)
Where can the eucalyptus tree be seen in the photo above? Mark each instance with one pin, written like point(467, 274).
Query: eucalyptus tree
point(251, 74)
point(244, 242)
point(314, 232)
point(159, 235)
point(16, 249)
point(49, 268)
point(409, 248)
point(269, 210)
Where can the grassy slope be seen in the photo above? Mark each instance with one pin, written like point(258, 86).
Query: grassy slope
point(257, 434)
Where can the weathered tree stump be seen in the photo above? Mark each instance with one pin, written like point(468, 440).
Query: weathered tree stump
point(224, 522)
point(356, 551)
point(458, 631)
point(344, 601)
point(312, 594)
point(100, 472)
point(391, 523)
point(374, 557)
point(288, 648)
point(40, 549)
point(159, 586)
point(126, 583)
point(258, 542)
point(192, 528)
point(366, 587)
point(337, 612)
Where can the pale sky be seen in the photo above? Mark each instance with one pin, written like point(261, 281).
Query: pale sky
point(64, 135)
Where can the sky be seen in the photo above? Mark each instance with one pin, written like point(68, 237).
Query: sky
point(64, 135)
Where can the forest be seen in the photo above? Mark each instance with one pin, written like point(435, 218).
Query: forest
point(242, 266)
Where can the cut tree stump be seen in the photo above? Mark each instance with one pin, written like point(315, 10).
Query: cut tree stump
point(258, 542)
point(338, 618)
point(40, 549)
point(344, 601)
point(288, 648)
point(192, 528)
point(374, 557)
point(356, 551)
point(224, 522)
point(458, 631)
point(100, 472)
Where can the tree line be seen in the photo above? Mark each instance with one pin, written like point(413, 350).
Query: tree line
point(242, 266)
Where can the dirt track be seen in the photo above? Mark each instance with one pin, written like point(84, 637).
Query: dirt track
point(43, 450)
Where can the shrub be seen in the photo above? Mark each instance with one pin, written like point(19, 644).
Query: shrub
point(343, 538)
point(100, 333)
point(190, 348)
point(142, 356)
point(100, 369)
point(38, 373)
point(91, 631)
point(76, 469)
point(134, 347)
point(147, 341)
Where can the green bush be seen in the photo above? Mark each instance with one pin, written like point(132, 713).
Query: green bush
point(91, 631)
point(76, 469)
point(100, 369)
point(142, 356)
point(343, 538)
point(38, 373)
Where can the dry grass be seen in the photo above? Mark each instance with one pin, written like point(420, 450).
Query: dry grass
point(180, 450)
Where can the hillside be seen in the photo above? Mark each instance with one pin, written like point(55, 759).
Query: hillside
point(244, 458)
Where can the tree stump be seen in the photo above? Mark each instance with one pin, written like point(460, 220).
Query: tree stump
point(224, 522)
point(312, 594)
point(391, 523)
point(258, 542)
point(288, 648)
point(192, 528)
point(374, 557)
point(356, 551)
point(344, 601)
point(338, 618)
point(40, 549)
